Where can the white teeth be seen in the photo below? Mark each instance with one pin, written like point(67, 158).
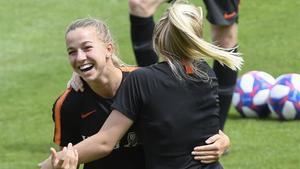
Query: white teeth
point(86, 67)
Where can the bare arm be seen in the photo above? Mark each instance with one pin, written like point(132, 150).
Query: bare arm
point(102, 143)
point(97, 146)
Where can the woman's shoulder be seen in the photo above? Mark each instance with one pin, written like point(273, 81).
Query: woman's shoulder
point(149, 70)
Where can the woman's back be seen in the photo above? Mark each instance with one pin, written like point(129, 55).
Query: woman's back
point(174, 116)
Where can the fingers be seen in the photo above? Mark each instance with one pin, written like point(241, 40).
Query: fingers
point(206, 156)
point(69, 84)
point(212, 139)
point(75, 162)
point(79, 83)
point(224, 140)
point(73, 157)
point(217, 144)
point(211, 152)
point(206, 151)
point(65, 162)
point(221, 132)
point(75, 82)
point(210, 147)
point(60, 159)
point(54, 157)
point(70, 158)
point(207, 159)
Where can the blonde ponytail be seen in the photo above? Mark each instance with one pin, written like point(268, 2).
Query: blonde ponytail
point(178, 37)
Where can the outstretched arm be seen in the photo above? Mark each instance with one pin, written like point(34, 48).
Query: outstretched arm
point(102, 143)
point(56, 161)
point(99, 145)
point(217, 145)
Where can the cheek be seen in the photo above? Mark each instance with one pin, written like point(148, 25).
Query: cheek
point(72, 62)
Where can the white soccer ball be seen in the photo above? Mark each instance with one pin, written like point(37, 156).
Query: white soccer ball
point(251, 94)
point(284, 97)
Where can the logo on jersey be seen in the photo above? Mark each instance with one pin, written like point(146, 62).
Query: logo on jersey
point(85, 115)
point(132, 141)
point(229, 15)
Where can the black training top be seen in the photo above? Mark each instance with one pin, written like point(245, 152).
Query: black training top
point(174, 116)
point(78, 115)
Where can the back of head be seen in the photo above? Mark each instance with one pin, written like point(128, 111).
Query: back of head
point(102, 31)
point(178, 39)
point(171, 35)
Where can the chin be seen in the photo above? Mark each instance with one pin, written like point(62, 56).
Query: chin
point(90, 78)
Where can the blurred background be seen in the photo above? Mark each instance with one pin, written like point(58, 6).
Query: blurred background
point(34, 71)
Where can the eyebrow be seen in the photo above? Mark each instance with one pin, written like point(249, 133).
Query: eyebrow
point(83, 43)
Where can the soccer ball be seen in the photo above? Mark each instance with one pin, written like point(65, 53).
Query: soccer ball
point(251, 94)
point(284, 97)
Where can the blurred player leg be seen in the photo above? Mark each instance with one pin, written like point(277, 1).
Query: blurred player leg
point(142, 25)
point(223, 15)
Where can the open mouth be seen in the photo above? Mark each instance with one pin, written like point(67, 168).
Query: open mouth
point(86, 67)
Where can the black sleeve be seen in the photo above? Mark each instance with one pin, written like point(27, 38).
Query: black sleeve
point(66, 121)
point(129, 96)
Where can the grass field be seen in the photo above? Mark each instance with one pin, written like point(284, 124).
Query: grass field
point(34, 71)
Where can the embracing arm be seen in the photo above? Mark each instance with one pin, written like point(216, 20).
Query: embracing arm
point(102, 143)
point(97, 146)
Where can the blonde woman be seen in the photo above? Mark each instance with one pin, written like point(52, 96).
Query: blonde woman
point(223, 18)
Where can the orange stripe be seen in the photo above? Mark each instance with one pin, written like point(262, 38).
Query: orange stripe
point(128, 68)
point(57, 109)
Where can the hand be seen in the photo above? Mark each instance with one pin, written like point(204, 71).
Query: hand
point(46, 164)
point(75, 82)
point(66, 159)
point(210, 153)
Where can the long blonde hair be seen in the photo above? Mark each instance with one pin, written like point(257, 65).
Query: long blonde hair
point(103, 34)
point(178, 39)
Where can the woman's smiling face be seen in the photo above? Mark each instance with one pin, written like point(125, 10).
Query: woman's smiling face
point(88, 54)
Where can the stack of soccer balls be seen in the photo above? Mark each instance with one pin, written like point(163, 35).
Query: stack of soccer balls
point(258, 94)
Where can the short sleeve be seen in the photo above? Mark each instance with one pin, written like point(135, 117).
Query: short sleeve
point(129, 100)
point(66, 124)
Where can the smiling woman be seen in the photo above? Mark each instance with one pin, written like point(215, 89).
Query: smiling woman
point(91, 52)
point(79, 115)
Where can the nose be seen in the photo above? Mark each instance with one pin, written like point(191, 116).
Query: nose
point(81, 55)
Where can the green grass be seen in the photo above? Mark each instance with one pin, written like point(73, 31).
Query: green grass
point(34, 71)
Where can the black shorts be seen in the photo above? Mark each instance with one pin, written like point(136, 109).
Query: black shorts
point(222, 12)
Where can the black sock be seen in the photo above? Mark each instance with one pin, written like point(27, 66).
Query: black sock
point(141, 37)
point(226, 79)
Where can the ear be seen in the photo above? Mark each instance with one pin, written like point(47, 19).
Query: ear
point(110, 49)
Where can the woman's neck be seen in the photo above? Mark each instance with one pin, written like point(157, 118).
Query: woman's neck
point(108, 83)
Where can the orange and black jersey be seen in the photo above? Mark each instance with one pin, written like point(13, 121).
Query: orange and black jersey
point(173, 116)
point(78, 115)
